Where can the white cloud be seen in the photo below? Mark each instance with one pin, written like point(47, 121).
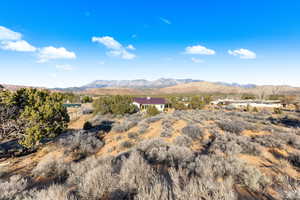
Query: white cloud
point(128, 56)
point(49, 53)
point(64, 67)
point(20, 45)
point(243, 53)
point(122, 54)
point(7, 34)
point(116, 48)
point(165, 20)
point(198, 49)
point(130, 47)
point(134, 36)
point(196, 60)
point(108, 41)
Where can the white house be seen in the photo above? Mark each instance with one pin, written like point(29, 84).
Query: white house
point(144, 103)
point(245, 103)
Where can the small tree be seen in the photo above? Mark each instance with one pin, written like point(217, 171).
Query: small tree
point(117, 105)
point(87, 125)
point(196, 103)
point(41, 112)
point(277, 111)
point(248, 96)
point(177, 105)
point(86, 99)
point(152, 110)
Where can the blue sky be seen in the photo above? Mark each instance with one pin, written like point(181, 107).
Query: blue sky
point(73, 42)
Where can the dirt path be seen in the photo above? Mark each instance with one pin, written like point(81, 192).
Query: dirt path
point(78, 124)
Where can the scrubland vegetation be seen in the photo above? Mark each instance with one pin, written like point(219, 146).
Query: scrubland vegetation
point(186, 154)
point(30, 115)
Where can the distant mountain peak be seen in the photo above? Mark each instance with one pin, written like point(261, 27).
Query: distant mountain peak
point(138, 83)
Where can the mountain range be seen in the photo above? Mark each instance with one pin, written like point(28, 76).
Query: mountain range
point(145, 84)
point(172, 86)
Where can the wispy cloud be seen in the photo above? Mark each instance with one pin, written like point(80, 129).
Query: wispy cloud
point(166, 21)
point(7, 34)
point(116, 48)
point(200, 50)
point(130, 47)
point(51, 53)
point(243, 53)
point(196, 60)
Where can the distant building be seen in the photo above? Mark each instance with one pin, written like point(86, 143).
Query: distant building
point(144, 103)
point(245, 103)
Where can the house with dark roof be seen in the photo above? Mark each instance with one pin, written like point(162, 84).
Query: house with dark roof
point(144, 103)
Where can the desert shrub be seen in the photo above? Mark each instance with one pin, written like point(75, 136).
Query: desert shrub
point(133, 135)
point(196, 103)
point(136, 173)
point(225, 143)
point(41, 112)
point(192, 131)
point(143, 127)
point(157, 151)
point(229, 167)
point(166, 133)
point(291, 190)
point(81, 142)
point(119, 137)
point(185, 187)
point(293, 140)
point(268, 141)
point(51, 167)
point(277, 111)
point(248, 96)
point(128, 123)
point(59, 192)
point(86, 99)
point(183, 140)
point(153, 119)
point(252, 178)
point(294, 159)
point(87, 125)
point(124, 126)
point(152, 111)
point(156, 191)
point(126, 144)
point(232, 144)
point(167, 128)
point(117, 105)
point(232, 126)
point(16, 184)
point(177, 105)
point(96, 182)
